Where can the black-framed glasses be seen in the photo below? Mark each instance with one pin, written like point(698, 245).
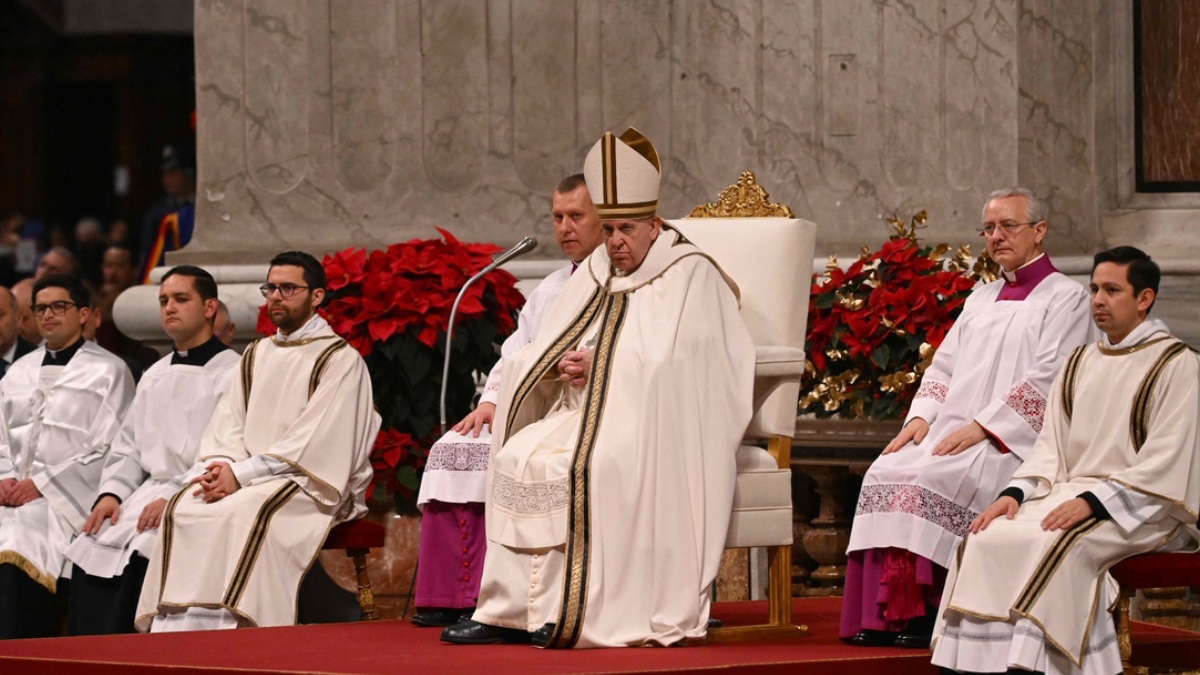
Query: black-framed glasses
point(285, 290)
point(56, 308)
point(1008, 226)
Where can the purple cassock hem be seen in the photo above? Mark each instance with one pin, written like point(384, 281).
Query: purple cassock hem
point(865, 596)
point(450, 565)
point(1027, 279)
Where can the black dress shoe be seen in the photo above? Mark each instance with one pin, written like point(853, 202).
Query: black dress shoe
point(471, 632)
point(871, 638)
point(913, 640)
point(714, 623)
point(439, 617)
point(541, 636)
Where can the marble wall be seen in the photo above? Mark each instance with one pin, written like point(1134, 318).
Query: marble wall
point(326, 123)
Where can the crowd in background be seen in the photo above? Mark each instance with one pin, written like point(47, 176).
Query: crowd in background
point(108, 258)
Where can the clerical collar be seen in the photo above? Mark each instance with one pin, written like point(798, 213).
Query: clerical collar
point(1143, 335)
point(63, 356)
point(312, 327)
point(10, 354)
point(1019, 283)
point(198, 356)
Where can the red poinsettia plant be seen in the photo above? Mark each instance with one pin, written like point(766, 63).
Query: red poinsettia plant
point(874, 326)
point(393, 306)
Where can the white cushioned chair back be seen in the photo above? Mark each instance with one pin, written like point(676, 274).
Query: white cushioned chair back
point(770, 259)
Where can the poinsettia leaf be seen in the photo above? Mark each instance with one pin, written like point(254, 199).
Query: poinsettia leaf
point(881, 356)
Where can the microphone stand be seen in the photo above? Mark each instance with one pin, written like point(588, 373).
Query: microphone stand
point(521, 248)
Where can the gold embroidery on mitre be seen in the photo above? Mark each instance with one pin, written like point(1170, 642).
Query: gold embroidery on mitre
point(744, 199)
point(642, 146)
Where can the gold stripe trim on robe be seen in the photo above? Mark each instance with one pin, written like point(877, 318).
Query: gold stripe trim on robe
point(323, 362)
point(1051, 562)
point(1141, 402)
point(558, 347)
point(258, 535)
point(248, 370)
point(569, 626)
point(1070, 372)
point(168, 534)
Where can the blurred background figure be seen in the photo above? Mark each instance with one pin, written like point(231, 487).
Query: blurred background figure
point(167, 225)
point(223, 325)
point(12, 345)
point(58, 260)
point(22, 293)
point(90, 241)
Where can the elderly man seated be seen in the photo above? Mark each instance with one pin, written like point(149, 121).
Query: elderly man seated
point(613, 473)
point(973, 420)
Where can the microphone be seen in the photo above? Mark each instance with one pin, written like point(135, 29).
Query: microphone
point(519, 249)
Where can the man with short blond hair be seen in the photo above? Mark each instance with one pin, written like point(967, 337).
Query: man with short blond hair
point(60, 408)
point(148, 460)
point(454, 483)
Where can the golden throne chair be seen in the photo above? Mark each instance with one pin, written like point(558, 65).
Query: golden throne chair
point(768, 252)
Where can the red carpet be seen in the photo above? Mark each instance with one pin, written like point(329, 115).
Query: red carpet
point(397, 646)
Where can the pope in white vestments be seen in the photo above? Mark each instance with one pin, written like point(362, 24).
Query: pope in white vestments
point(973, 420)
point(60, 408)
point(613, 469)
point(154, 449)
point(454, 481)
point(1115, 472)
point(284, 458)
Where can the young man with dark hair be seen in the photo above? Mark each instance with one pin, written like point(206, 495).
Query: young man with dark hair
point(60, 407)
point(284, 457)
point(1114, 473)
point(154, 449)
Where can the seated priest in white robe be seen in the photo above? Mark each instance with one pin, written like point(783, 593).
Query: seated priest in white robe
point(60, 408)
point(454, 482)
point(1115, 473)
point(613, 469)
point(147, 462)
point(973, 420)
point(284, 458)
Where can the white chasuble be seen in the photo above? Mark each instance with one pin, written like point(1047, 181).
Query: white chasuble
point(995, 367)
point(1122, 426)
point(303, 409)
point(56, 424)
point(628, 481)
point(155, 447)
point(457, 468)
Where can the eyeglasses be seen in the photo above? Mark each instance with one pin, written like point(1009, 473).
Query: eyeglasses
point(285, 290)
point(56, 308)
point(1008, 226)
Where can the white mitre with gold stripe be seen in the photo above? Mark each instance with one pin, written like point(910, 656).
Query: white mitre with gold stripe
point(622, 175)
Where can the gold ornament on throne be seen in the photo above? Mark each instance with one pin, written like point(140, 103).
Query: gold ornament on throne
point(744, 199)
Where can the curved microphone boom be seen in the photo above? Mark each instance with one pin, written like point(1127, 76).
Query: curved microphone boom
point(521, 248)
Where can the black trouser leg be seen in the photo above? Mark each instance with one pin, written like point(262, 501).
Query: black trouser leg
point(105, 606)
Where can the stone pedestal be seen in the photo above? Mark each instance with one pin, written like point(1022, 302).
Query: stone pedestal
point(830, 452)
